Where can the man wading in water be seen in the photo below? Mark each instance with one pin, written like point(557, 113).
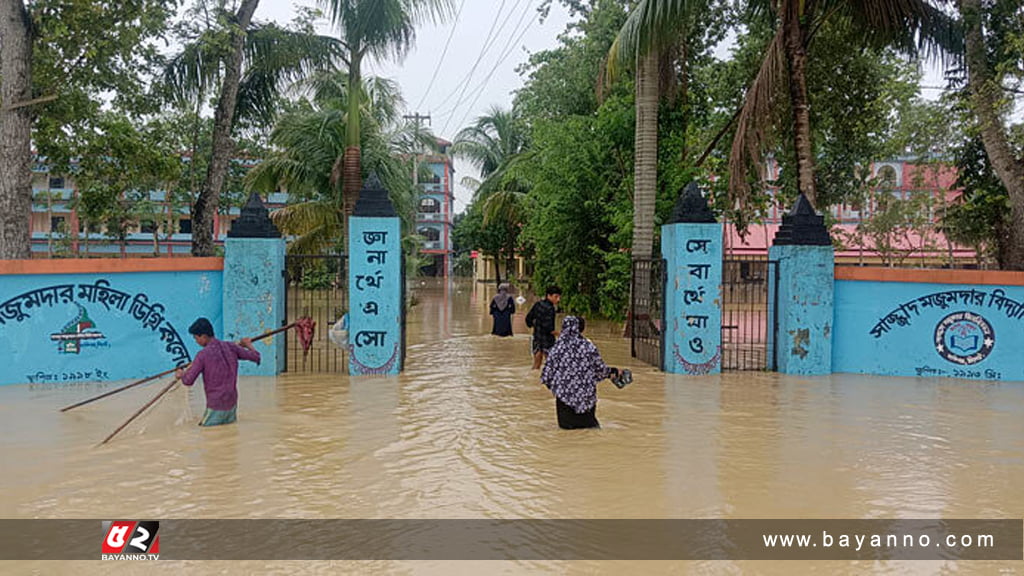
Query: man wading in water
point(218, 363)
point(542, 319)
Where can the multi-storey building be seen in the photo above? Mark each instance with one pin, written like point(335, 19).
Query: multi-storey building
point(435, 212)
point(163, 229)
point(903, 178)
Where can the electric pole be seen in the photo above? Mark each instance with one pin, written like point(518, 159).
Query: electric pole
point(417, 118)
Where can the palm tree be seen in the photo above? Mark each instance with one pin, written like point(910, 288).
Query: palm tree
point(908, 25)
point(379, 29)
point(494, 143)
point(310, 143)
point(262, 60)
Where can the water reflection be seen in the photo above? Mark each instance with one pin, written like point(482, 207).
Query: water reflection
point(468, 431)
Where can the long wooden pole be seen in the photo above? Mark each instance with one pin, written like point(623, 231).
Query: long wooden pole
point(141, 410)
point(162, 374)
point(175, 381)
point(122, 388)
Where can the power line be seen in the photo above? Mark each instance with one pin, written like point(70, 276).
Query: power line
point(503, 55)
point(443, 53)
point(483, 51)
point(462, 96)
point(509, 48)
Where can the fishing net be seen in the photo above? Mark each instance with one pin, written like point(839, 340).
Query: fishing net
point(304, 329)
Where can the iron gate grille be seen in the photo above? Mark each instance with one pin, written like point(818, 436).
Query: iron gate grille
point(647, 312)
point(748, 332)
point(316, 286)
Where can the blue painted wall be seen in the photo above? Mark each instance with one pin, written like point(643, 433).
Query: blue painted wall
point(915, 329)
point(94, 327)
point(375, 296)
point(254, 299)
point(693, 296)
point(805, 314)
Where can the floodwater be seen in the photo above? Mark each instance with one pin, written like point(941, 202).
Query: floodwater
point(469, 432)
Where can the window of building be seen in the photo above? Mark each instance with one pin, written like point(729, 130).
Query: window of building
point(185, 226)
point(888, 178)
point(56, 182)
point(147, 226)
point(431, 234)
point(430, 205)
point(56, 223)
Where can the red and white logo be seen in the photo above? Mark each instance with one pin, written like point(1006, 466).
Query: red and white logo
point(131, 540)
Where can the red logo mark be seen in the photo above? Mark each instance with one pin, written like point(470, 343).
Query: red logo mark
point(123, 537)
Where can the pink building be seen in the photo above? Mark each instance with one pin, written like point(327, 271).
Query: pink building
point(932, 185)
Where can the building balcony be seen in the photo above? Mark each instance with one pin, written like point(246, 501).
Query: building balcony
point(433, 245)
point(432, 217)
point(40, 194)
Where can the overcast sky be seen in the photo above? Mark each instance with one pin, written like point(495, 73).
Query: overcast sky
point(476, 72)
point(485, 44)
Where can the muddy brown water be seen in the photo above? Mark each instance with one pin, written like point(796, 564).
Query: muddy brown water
point(467, 431)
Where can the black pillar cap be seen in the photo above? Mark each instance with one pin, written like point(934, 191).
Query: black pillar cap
point(802, 226)
point(373, 200)
point(254, 222)
point(691, 207)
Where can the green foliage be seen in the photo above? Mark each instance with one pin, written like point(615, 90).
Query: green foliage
point(317, 277)
point(853, 95)
point(978, 217)
point(92, 58)
point(898, 226)
point(580, 202)
point(309, 143)
point(117, 170)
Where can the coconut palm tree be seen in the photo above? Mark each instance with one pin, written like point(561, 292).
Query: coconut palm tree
point(494, 144)
point(310, 142)
point(911, 26)
point(249, 63)
point(379, 29)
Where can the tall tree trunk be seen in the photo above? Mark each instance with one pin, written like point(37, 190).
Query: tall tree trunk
point(497, 268)
point(645, 175)
point(15, 130)
point(646, 144)
point(793, 36)
point(352, 167)
point(985, 95)
point(209, 197)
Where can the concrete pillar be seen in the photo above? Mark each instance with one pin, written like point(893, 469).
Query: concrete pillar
point(691, 244)
point(805, 292)
point(254, 289)
point(376, 284)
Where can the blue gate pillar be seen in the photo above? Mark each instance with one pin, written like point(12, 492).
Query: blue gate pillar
point(803, 308)
point(376, 284)
point(254, 286)
point(691, 244)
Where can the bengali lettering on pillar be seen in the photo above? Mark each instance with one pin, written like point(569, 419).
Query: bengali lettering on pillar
point(375, 296)
point(693, 254)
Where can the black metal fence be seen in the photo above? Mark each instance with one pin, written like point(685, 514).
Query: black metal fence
point(748, 330)
point(317, 286)
point(647, 312)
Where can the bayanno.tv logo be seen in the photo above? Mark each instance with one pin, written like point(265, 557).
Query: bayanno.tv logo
point(130, 540)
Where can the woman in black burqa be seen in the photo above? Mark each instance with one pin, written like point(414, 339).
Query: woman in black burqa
point(573, 369)
point(502, 308)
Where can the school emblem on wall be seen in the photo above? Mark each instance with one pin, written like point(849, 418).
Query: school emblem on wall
point(964, 338)
point(81, 328)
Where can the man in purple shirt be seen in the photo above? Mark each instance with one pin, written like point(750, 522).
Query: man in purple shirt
point(218, 363)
